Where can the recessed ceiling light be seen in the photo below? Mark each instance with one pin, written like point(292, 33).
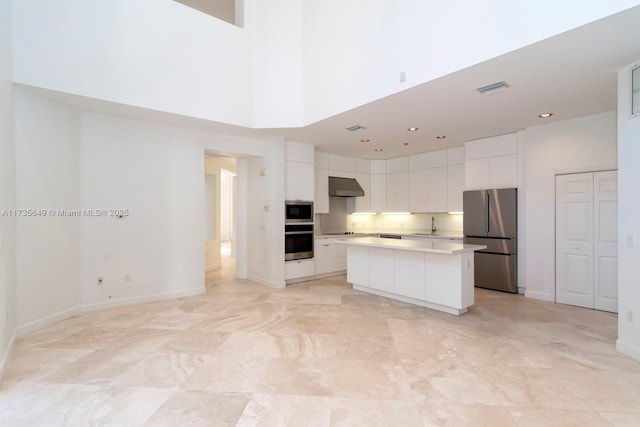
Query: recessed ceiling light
point(441, 136)
point(377, 150)
point(412, 129)
point(365, 140)
point(545, 115)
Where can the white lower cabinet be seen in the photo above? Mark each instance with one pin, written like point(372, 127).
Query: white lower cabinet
point(381, 269)
point(329, 257)
point(409, 275)
point(297, 269)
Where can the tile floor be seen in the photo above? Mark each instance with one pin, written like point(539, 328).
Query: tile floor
point(322, 354)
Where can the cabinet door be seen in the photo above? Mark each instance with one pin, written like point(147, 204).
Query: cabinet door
point(378, 193)
point(381, 269)
point(398, 192)
point(437, 190)
point(320, 255)
point(306, 175)
point(455, 188)
point(299, 179)
point(504, 171)
point(363, 204)
point(322, 191)
point(290, 180)
point(418, 191)
point(477, 174)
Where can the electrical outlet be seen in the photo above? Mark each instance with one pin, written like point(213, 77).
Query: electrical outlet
point(630, 315)
point(99, 281)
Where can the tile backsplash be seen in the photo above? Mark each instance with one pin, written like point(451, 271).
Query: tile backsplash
point(420, 222)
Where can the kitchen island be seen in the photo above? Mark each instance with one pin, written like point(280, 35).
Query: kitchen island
point(433, 274)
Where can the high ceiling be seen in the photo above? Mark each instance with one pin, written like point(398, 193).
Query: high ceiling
point(571, 75)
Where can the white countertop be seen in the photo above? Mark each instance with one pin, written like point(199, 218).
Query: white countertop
point(437, 235)
point(412, 245)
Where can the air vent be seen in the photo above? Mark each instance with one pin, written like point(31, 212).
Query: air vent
point(494, 87)
point(355, 128)
point(635, 91)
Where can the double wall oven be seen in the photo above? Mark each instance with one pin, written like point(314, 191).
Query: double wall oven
point(298, 230)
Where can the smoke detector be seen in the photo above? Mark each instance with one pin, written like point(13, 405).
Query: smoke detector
point(493, 87)
point(355, 128)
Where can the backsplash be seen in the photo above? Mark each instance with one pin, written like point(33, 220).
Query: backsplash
point(420, 222)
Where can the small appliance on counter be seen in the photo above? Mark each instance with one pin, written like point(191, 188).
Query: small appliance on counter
point(491, 219)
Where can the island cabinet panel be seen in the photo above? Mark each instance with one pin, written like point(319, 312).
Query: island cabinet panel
point(441, 269)
point(410, 275)
point(381, 269)
point(358, 265)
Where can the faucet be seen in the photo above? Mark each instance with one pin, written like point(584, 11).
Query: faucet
point(433, 224)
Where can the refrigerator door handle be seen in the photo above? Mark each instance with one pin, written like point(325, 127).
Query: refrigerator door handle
point(486, 212)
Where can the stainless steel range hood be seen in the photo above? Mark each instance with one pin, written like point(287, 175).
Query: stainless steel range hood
point(344, 187)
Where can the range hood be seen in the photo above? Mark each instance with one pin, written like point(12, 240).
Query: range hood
point(344, 187)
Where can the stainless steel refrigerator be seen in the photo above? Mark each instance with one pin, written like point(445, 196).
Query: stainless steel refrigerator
point(491, 219)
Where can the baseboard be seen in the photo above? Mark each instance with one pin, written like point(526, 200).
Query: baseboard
point(86, 308)
point(316, 277)
point(34, 325)
point(539, 295)
point(7, 352)
point(628, 350)
point(270, 283)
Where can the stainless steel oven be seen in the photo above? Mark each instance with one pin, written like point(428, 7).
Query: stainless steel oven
point(298, 211)
point(298, 241)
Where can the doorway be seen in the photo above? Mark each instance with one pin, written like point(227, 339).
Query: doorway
point(220, 206)
point(587, 240)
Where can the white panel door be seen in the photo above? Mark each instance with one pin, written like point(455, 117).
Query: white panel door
point(574, 239)
point(605, 278)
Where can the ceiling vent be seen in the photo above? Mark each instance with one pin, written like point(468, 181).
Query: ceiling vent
point(635, 91)
point(355, 128)
point(494, 87)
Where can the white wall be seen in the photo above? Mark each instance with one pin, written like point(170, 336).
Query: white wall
point(72, 160)
point(47, 177)
point(265, 215)
point(579, 145)
point(628, 220)
point(7, 189)
point(276, 29)
point(155, 54)
point(354, 51)
point(156, 172)
point(294, 62)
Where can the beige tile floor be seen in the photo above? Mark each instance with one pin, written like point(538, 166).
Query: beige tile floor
point(322, 354)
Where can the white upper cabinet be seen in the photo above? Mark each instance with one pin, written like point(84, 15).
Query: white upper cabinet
point(397, 185)
point(299, 181)
point(299, 171)
point(418, 191)
point(299, 152)
point(338, 162)
point(432, 159)
point(399, 164)
point(491, 162)
point(322, 191)
point(378, 186)
point(455, 156)
point(397, 192)
point(436, 186)
point(455, 187)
